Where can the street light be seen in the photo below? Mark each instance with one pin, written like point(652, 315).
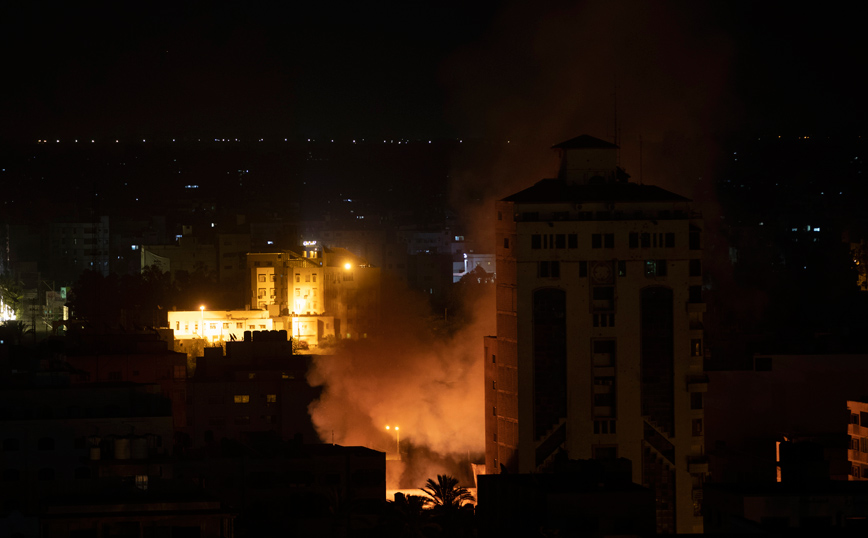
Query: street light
point(397, 440)
point(348, 266)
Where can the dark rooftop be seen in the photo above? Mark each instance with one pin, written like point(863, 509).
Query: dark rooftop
point(559, 190)
point(585, 142)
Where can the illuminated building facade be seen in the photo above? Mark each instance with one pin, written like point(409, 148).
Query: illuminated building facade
point(218, 325)
point(325, 291)
point(598, 352)
point(284, 283)
point(857, 453)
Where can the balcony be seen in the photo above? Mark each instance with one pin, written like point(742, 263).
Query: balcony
point(856, 455)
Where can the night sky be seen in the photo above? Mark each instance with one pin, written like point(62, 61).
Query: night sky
point(428, 69)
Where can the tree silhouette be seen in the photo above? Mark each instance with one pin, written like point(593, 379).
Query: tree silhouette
point(446, 494)
point(451, 510)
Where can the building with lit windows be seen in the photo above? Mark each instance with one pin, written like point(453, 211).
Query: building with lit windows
point(218, 325)
point(598, 352)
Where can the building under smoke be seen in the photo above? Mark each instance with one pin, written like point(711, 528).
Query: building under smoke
point(598, 352)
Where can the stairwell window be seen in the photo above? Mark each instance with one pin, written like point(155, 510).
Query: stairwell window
point(549, 269)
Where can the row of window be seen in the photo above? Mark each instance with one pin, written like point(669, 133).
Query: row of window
point(653, 268)
point(213, 326)
point(601, 240)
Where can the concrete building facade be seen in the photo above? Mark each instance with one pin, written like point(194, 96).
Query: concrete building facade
point(598, 352)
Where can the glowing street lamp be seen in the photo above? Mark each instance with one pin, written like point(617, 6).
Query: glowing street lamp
point(397, 439)
point(348, 266)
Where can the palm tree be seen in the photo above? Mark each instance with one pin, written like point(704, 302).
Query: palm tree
point(446, 494)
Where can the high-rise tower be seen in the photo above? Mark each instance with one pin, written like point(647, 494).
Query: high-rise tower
point(598, 352)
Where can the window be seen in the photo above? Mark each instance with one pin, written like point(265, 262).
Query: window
point(307, 278)
point(549, 269)
point(298, 292)
point(314, 277)
point(114, 376)
point(654, 268)
point(180, 371)
point(604, 426)
point(696, 400)
point(572, 241)
point(271, 398)
point(646, 240)
point(242, 398)
point(633, 240)
point(694, 242)
point(505, 242)
point(583, 269)
point(604, 353)
point(670, 240)
point(604, 320)
point(695, 294)
point(596, 240)
point(603, 298)
point(696, 347)
point(696, 427)
point(262, 278)
point(142, 482)
point(695, 267)
point(273, 278)
point(560, 241)
point(213, 326)
point(239, 325)
point(622, 268)
point(493, 359)
point(609, 240)
point(261, 293)
point(177, 325)
point(297, 277)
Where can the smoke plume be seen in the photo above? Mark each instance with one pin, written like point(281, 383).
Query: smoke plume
point(413, 376)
